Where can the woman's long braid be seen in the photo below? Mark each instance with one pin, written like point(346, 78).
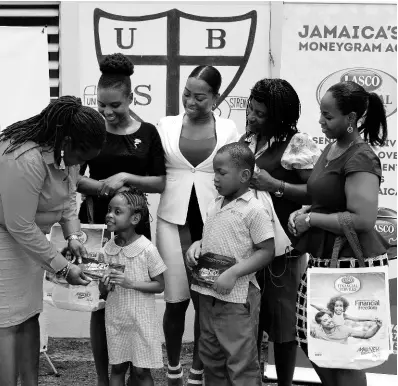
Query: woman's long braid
point(137, 199)
point(283, 107)
point(64, 116)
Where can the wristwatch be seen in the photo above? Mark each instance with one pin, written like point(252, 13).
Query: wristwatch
point(308, 219)
point(281, 190)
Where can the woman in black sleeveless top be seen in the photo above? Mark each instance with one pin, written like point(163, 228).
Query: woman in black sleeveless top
point(132, 156)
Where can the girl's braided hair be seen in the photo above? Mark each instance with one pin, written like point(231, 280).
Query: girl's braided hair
point(65, 116)
point(283, 107)
point(138, 202)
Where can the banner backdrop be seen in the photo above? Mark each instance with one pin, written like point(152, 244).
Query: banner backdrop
point(166, 44)
point(354, 42)
point(24, 75)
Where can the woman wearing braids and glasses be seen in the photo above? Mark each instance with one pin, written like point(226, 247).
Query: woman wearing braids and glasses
point(285, 159)
point(39, 169)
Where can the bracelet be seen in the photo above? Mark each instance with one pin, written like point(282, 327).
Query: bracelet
point(73, 236)
point(281, 190)
point(64, 271)
point(67, 271)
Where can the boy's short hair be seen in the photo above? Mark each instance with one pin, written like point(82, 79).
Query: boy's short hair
point(241, 156)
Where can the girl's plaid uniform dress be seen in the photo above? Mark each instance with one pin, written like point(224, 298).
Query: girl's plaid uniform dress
point(132, 327)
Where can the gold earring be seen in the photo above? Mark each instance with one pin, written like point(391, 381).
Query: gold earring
point(61, 162)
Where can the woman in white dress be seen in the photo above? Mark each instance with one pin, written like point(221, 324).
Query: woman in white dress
point(190, 141)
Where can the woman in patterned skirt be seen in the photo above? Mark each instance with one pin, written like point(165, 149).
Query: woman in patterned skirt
point(285, 158)
point(346, 178)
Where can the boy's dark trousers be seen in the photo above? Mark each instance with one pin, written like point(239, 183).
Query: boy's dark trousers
point(228, 340)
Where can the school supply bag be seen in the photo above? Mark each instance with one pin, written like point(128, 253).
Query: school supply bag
point(77, 297)
point(348, 310)
point(210, 266)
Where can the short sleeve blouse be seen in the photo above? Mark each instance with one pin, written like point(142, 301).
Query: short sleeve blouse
point(326, 186)
point(140, 153)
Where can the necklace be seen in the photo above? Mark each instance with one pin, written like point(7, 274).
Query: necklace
point(341, 152)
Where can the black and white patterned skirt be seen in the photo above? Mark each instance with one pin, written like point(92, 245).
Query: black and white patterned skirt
point(301, 302)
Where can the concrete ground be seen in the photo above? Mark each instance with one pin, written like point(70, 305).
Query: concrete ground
point(70, 324)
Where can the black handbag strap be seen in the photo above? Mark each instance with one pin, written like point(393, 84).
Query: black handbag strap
point(351, 236)
point(90, 209)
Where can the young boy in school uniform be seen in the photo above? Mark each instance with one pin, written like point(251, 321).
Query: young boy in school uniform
point(239, 226)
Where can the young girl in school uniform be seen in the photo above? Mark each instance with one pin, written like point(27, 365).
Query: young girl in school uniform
point(132, 330)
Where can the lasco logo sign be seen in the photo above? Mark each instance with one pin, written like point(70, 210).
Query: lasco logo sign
point(133, 36)
point(372, 80)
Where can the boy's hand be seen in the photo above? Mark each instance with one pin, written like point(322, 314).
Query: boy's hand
point(193, 254)
point(225, 282)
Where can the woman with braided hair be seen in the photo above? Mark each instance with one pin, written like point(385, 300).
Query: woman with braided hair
point(132, 156)
point(132, 328)
point(284, 159)
point(39, 168)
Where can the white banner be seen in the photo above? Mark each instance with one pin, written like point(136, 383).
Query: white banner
point(25, 89)
point(24, 75)
point(165, 44)
point(324, 44)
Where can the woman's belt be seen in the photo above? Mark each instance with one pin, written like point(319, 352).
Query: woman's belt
point(348, 262)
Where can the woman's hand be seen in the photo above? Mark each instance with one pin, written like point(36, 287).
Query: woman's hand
point(76, 276)
point(78, 250)
point(291, 223)
point(225, 282)
point(264, 181)
point(193, 254)
point(300, 224)
point(112, 184)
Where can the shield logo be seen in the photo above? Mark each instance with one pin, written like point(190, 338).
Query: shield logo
point(184, 41)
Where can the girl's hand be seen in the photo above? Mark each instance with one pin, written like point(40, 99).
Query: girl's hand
point(193, 254)
point(300, 224)
point(118, 278)
point(104, 288)
point(78, 250)
point(112, 184)
point(264, 181)
point(225, 282)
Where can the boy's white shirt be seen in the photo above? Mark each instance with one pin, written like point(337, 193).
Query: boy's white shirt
point(282, 242)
